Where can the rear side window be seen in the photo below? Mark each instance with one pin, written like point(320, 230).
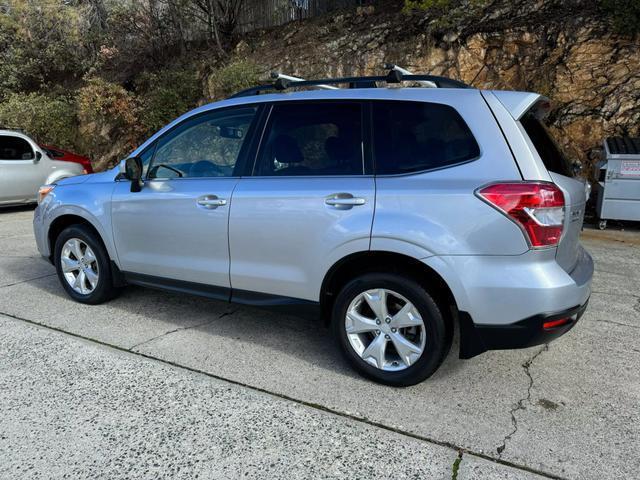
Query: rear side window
point(415, 136)
point(547, 148)
point(306, 139)
point(15, 148)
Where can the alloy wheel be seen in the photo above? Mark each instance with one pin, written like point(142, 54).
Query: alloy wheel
point(385, 329)
point(79, 266)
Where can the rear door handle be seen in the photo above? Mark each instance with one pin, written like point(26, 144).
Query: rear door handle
point(344, 201)
point(211, 202)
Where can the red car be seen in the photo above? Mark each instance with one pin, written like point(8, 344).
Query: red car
point(58, 154)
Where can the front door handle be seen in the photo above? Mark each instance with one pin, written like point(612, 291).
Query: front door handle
point(344, 201)
point(211, 202)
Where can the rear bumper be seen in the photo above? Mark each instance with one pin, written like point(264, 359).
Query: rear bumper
point(504, 300)
point(476, 339)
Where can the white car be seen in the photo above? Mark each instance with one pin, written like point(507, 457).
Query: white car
point(24, 167)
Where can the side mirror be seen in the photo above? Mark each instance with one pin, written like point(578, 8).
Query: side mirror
point(133, 172)
point(38, 157)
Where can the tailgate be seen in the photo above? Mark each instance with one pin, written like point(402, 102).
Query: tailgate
point(575, 201)
point(530, 112)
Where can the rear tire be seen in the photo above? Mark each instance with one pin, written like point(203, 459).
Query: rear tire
point(406, 346)
point(83, 266)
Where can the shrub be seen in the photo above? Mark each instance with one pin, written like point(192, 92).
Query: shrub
point(109, 125)
point(426, 4)
point(40, 42)
point(165, 96)
point(236, 76)
point(103, 102)
point(440, 5)
point(47, 119)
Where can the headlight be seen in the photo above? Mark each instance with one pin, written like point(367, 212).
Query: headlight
point(43, 191)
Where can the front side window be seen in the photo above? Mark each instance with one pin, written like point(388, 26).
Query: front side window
point(205, 146)
point(15, 148)
point(319, 139)
point(415, 136)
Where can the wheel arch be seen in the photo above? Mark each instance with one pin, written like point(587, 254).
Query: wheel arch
point(63, 221)
point(384, 261)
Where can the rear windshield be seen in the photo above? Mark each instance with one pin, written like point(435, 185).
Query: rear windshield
point(415, 136)
point(551, 154)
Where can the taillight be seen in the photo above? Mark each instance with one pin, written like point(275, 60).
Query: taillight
point(550, 325)
point(538, 208)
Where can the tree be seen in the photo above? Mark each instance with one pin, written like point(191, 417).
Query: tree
point(220, 18)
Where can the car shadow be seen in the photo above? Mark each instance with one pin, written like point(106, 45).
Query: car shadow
point(18, 208)
point(224, 323)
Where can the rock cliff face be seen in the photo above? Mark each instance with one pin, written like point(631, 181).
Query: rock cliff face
point(563, 49)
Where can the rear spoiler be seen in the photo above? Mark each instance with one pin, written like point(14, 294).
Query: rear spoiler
point(519, 103)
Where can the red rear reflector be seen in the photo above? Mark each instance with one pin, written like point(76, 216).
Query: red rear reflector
point(555, 323)
point(537, 207)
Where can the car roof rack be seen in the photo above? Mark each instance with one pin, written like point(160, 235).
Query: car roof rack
point(394, 76)
point(276, 76)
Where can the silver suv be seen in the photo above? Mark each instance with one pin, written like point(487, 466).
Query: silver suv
point(396, 213)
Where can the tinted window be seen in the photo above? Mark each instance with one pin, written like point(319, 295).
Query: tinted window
point(312, 139)
point(414, 136)
point(205, 146)
point(547, 148)
point(15, 148)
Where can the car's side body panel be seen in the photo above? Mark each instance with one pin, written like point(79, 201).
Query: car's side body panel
point(163, 231)
point(283, 237)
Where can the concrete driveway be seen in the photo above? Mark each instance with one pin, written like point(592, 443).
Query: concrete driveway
point(155, 384)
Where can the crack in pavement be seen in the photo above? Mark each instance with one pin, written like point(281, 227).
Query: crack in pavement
point(617, 294)
point(320, 407)
point(180, 329)
point(620, 323)
point(520, 405)
point(28, 280)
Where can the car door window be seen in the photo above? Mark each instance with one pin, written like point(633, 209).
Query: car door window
point(208, 145)
point(305, 139)
point(15, 148)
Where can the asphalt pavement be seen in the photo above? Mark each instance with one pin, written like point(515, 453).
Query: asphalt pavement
point(156, 385)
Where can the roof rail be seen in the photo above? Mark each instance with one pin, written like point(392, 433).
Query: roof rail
point(404, 71)
point(394, 76)
point(276, 76)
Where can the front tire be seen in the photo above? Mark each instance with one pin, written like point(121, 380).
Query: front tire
point(390, 329)
point(83, 266)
